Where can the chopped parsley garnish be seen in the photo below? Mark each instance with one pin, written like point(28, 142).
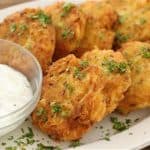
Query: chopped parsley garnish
point(3, 143)
point(101, 36)
point(106, 138)
point(136, 120)
point(78, 74)
point(141, 21)
point(84, 64)
point(75, 143)
point(11, 138)
point(40, 111)
point(67, 33)
point(120, 37)
point(113, 66)
point(11, 148)
point(66, 9)
point(56, 107)
point(69, 87)
point(43, 18)
point(41, 146)
point(145, 52)
point(118, 125)
point(29, 134)
point(122, 18)
point(23, 27)
point(13, 27)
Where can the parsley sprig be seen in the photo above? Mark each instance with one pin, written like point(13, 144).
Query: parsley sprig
point(43, 18)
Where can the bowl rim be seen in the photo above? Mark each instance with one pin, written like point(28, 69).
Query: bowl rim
point(33, 99)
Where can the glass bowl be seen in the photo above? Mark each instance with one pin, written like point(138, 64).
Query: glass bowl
point(22, 60)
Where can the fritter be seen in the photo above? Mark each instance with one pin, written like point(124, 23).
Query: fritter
point(100, 21)
point(133, 23)
point(138, 95)
point(32, 29)
point(72, 99)
point(116, 71)
point(69, 22)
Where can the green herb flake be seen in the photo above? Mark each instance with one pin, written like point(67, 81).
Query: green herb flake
point(117, 125)
point(43, 18)
point(69, 87)
point(13, 27)
point(145, 52)
point(10, 138)
point(66, 9)
point(41, 146)
point(121, 38)
point(78, 74)
point(142, 21)
point(40, 111)
point(11, 148)
point(67, 33)
point(29, 134)
point(101, 36)
point(84, 64)
point(106, 138)
point(113, 66)
point(75, 143)
point(3, 143)
point(122, 18)
point(56, 107)
point(23, 27)
point(122, 67)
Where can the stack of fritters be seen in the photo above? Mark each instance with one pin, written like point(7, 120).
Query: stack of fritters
point(78, 92)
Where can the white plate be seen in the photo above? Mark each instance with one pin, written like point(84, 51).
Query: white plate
point(136, 137)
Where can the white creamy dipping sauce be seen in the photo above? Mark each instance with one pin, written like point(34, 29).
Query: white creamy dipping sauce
point(15, 90)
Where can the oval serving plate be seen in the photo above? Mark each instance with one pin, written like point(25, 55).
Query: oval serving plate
point(101, 136)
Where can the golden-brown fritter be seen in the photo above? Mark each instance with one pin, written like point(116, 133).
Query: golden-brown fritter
point(72, 99)
point(69, 22)
point(133, 23)
point(32, 29)
point(116, 72)
point(138, 95)
point(100, 21)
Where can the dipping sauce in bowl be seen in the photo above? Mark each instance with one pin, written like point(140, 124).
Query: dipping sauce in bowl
point(20, 85)
point(15, 90)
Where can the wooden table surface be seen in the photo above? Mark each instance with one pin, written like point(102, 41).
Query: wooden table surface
point(7, 3)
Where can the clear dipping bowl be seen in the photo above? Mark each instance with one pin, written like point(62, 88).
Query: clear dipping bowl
point(22, 60)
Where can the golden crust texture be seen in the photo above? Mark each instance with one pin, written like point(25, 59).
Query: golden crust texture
point(100, 21)
point(116, 72)
point(29, 30)
point(69, 22)
point(138, 95)
point(133, 22)
point(72, 99)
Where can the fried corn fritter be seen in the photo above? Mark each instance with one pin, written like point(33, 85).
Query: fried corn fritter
point(32, 29)
point(138, 95)
point(116, 71)
point(100, 21)
point(69, 22)
point(133, 23)
point(72, 99)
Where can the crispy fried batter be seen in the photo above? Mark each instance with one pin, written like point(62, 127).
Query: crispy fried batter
point(72, 99)
point(138, 95)
point(117, 74)
point(70, 26)
point(133, 22)
point(100, 21)
point(32, 29)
